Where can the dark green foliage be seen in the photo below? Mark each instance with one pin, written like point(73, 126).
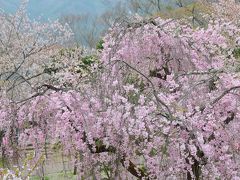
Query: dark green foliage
point(99, 45)
point(85, 63)
point(50, 70)
point(153, 152)
point(236, 52)
point(153, 73)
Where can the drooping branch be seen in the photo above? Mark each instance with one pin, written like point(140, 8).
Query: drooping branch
point(224, 94)
point(159, 101)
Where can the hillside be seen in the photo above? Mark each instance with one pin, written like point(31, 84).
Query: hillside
point(53, 9)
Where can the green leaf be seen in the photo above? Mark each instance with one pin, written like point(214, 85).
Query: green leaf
point(99, 45)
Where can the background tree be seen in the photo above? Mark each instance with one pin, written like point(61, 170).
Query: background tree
point(86, 28)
